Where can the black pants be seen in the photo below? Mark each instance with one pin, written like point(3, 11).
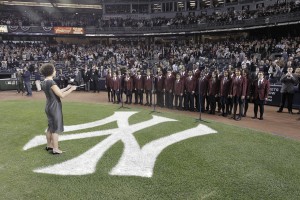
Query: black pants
point(128, 96)
point(109, 94)
point(200, 102)
point(189, 104)
point(259, 103)
point(169, 99)
point(160, 98)
point(178, 99)
point(207, 103)
point(238, 101)
point(218, 102)
point(224, 105)
point(148, 96)
point(289, 97)
point(116, 96)
point(138, 96)
point(246, 105)
point(212, 102)
point(95, 85)
point(230, 105)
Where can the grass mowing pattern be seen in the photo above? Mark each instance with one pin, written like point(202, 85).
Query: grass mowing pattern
point(235, 163)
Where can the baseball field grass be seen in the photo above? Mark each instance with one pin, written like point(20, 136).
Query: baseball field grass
point(233, 163)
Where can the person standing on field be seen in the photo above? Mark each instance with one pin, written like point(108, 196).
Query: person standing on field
point(53, 107)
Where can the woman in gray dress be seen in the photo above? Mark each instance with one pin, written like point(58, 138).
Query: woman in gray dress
point(53, 106)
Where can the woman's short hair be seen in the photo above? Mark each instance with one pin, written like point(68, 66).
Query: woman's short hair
point(47, 69)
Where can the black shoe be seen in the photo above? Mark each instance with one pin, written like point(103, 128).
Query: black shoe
point(279, 111)
point(56, 153)
point(254, 117)
point(291, 112)
point(237, 118)
point(261, 118)
point(48, 148)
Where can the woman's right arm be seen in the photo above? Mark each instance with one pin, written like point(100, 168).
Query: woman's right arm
point(60, 93)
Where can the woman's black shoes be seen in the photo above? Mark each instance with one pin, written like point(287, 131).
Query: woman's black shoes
point(49, 149)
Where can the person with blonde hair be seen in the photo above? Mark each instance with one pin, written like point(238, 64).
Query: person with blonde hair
point(53, 107)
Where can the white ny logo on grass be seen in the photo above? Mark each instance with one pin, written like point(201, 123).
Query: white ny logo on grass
point(135, 161)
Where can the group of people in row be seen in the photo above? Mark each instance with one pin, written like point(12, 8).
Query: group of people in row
point(207, 91)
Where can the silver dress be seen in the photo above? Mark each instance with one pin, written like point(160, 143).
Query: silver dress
point(53, 108)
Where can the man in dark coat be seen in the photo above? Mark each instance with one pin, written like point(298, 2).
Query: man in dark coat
point(148, 88)
point(288, 81)
point(190, 86)
point(225, 84)
point(238, 93)
point(159, 87)
point(169, 86)
point(261, 88)
point(138, 87)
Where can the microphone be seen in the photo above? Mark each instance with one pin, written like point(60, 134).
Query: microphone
point(81, 85)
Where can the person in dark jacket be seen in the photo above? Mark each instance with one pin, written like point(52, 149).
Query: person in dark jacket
point(260, 92)
point(20, 81)
point(238, 93)
point(26, 77)
point(225, 84)
point(288, 81)
point(87, 78)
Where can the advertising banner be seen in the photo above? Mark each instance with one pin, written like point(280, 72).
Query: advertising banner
point(69, 30)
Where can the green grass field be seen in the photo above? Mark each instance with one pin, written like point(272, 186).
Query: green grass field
point(235, 163)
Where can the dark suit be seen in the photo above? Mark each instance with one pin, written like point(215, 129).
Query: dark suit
point(287, 91)
point(116, 89)
point(138, 85)
point(213, 90)
point(169, 85)
point(128, 87)
point(248, 91)
point(178, 92)
point(225, 84)
point(238, 89)
point(108, 87)
point(159, 87)
point(190, 86)
point(260, 93)
point(148, 89)
point(183, 76)
point(201, 93)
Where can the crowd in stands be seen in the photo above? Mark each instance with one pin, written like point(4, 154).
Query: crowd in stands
point(45, 19)
point(270, 54)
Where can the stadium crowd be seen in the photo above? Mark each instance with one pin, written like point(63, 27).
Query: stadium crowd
point(45, 19)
